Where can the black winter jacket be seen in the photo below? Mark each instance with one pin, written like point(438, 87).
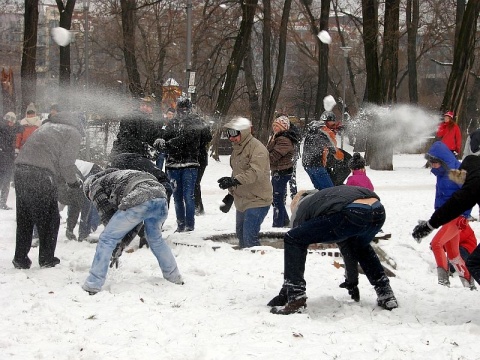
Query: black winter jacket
point(183, 140)
point(464, 198)
point(136, 134)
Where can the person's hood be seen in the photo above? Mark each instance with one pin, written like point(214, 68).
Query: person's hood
point(440, 152)
point(69, 118)
point(469, 167)
point(31, 121)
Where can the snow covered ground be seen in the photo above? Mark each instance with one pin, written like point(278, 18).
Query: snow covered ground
point(221, 312)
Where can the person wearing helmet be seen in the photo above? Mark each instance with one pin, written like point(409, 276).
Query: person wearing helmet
point(320, 141)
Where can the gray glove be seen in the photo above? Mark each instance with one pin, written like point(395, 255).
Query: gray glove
point(159, 144)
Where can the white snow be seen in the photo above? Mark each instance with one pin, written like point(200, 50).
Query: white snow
point(221, 312)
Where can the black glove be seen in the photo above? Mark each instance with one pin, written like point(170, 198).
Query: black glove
point(421, 230)
point(227, 182)
point(352, 290)
point(117, 252)
point(227, 203)
point(75, 185)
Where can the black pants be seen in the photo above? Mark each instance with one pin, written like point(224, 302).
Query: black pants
point(36, 195)
point(198, 189)
point(473, 264)
point(6, 172)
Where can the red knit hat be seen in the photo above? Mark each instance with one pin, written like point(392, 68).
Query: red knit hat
point(449, 113)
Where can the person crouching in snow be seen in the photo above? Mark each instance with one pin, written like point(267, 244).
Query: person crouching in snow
point(348, 214)
point(124, 199)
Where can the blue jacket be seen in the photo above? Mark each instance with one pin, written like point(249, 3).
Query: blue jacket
point(444, 187)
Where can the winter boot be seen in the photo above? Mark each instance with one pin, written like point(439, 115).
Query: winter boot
point(70, 235)
point(385, 297)
point(443, 277)
point(280, 299)
point(50, 263)
point(352, 290)
point(292, 299)
point(292, 307)
point(22, 263)
point(468, 284)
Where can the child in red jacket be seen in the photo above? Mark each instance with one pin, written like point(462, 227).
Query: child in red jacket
point(449, 133)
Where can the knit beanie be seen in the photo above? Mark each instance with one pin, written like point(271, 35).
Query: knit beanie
point(10, 116)
point(356, 162)
point(31, 107)
point(282, 122)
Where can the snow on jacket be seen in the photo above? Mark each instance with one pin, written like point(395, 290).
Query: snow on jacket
point(464, 198)
point(319, 142)
point(29, 126)
point(55, 146)
point(472, 144)
point(450, 135)
point(444, 187)
point(136, 134)
point(184, 136)
point(114, 189)
point(359, 178)
point(251, 167)
point(328, 201)
point(281, 148)
point(137, 162)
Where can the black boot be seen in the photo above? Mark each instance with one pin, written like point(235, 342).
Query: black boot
point(292, 299)
point(385, 297)
point(280, 299)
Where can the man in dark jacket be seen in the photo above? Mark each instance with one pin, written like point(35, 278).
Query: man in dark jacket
point(9, 128)
point(138, 131)
point(349, 215)
point(47, 157)
point(467, 175)
point(183, 136)
point(205, 138)
point(124, 199)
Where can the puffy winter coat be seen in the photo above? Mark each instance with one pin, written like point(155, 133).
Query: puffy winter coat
point(136, 134)
point(450, 135)
point(444, 187)
point(8, 134)
point(251, 167)
point(281, 148)
point(464, 198)
point(184, 137)
point(29, 126)
point(55, 146)
point(114, 189)
point(319, 142)
point(359, 178)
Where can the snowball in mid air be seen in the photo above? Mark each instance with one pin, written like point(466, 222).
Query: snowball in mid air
point(324, 37)
point(61, 36)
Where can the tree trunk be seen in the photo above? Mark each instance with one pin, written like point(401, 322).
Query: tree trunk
point(128, 29)
point(373, 92)
point(263, 129)
point(29, 54)
point(66, 12)
point(464, 55)
point(266, 56)
point(238, 54)
point(253, 98)
point(413, 10)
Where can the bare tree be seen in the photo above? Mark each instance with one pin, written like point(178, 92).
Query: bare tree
point(412, 17)
point(66, 12)
point(29, 54)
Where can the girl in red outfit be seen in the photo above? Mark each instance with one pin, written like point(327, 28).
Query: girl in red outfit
point(449, 133)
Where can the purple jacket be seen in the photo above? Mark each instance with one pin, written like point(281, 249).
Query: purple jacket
point(360, 178)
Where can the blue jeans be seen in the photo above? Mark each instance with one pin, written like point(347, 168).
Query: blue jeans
point(183, 184)
point(356, 225)
point(248, 226)
point(160, 160)
point(319, 177)
point(153, 213)
point(279, 184)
